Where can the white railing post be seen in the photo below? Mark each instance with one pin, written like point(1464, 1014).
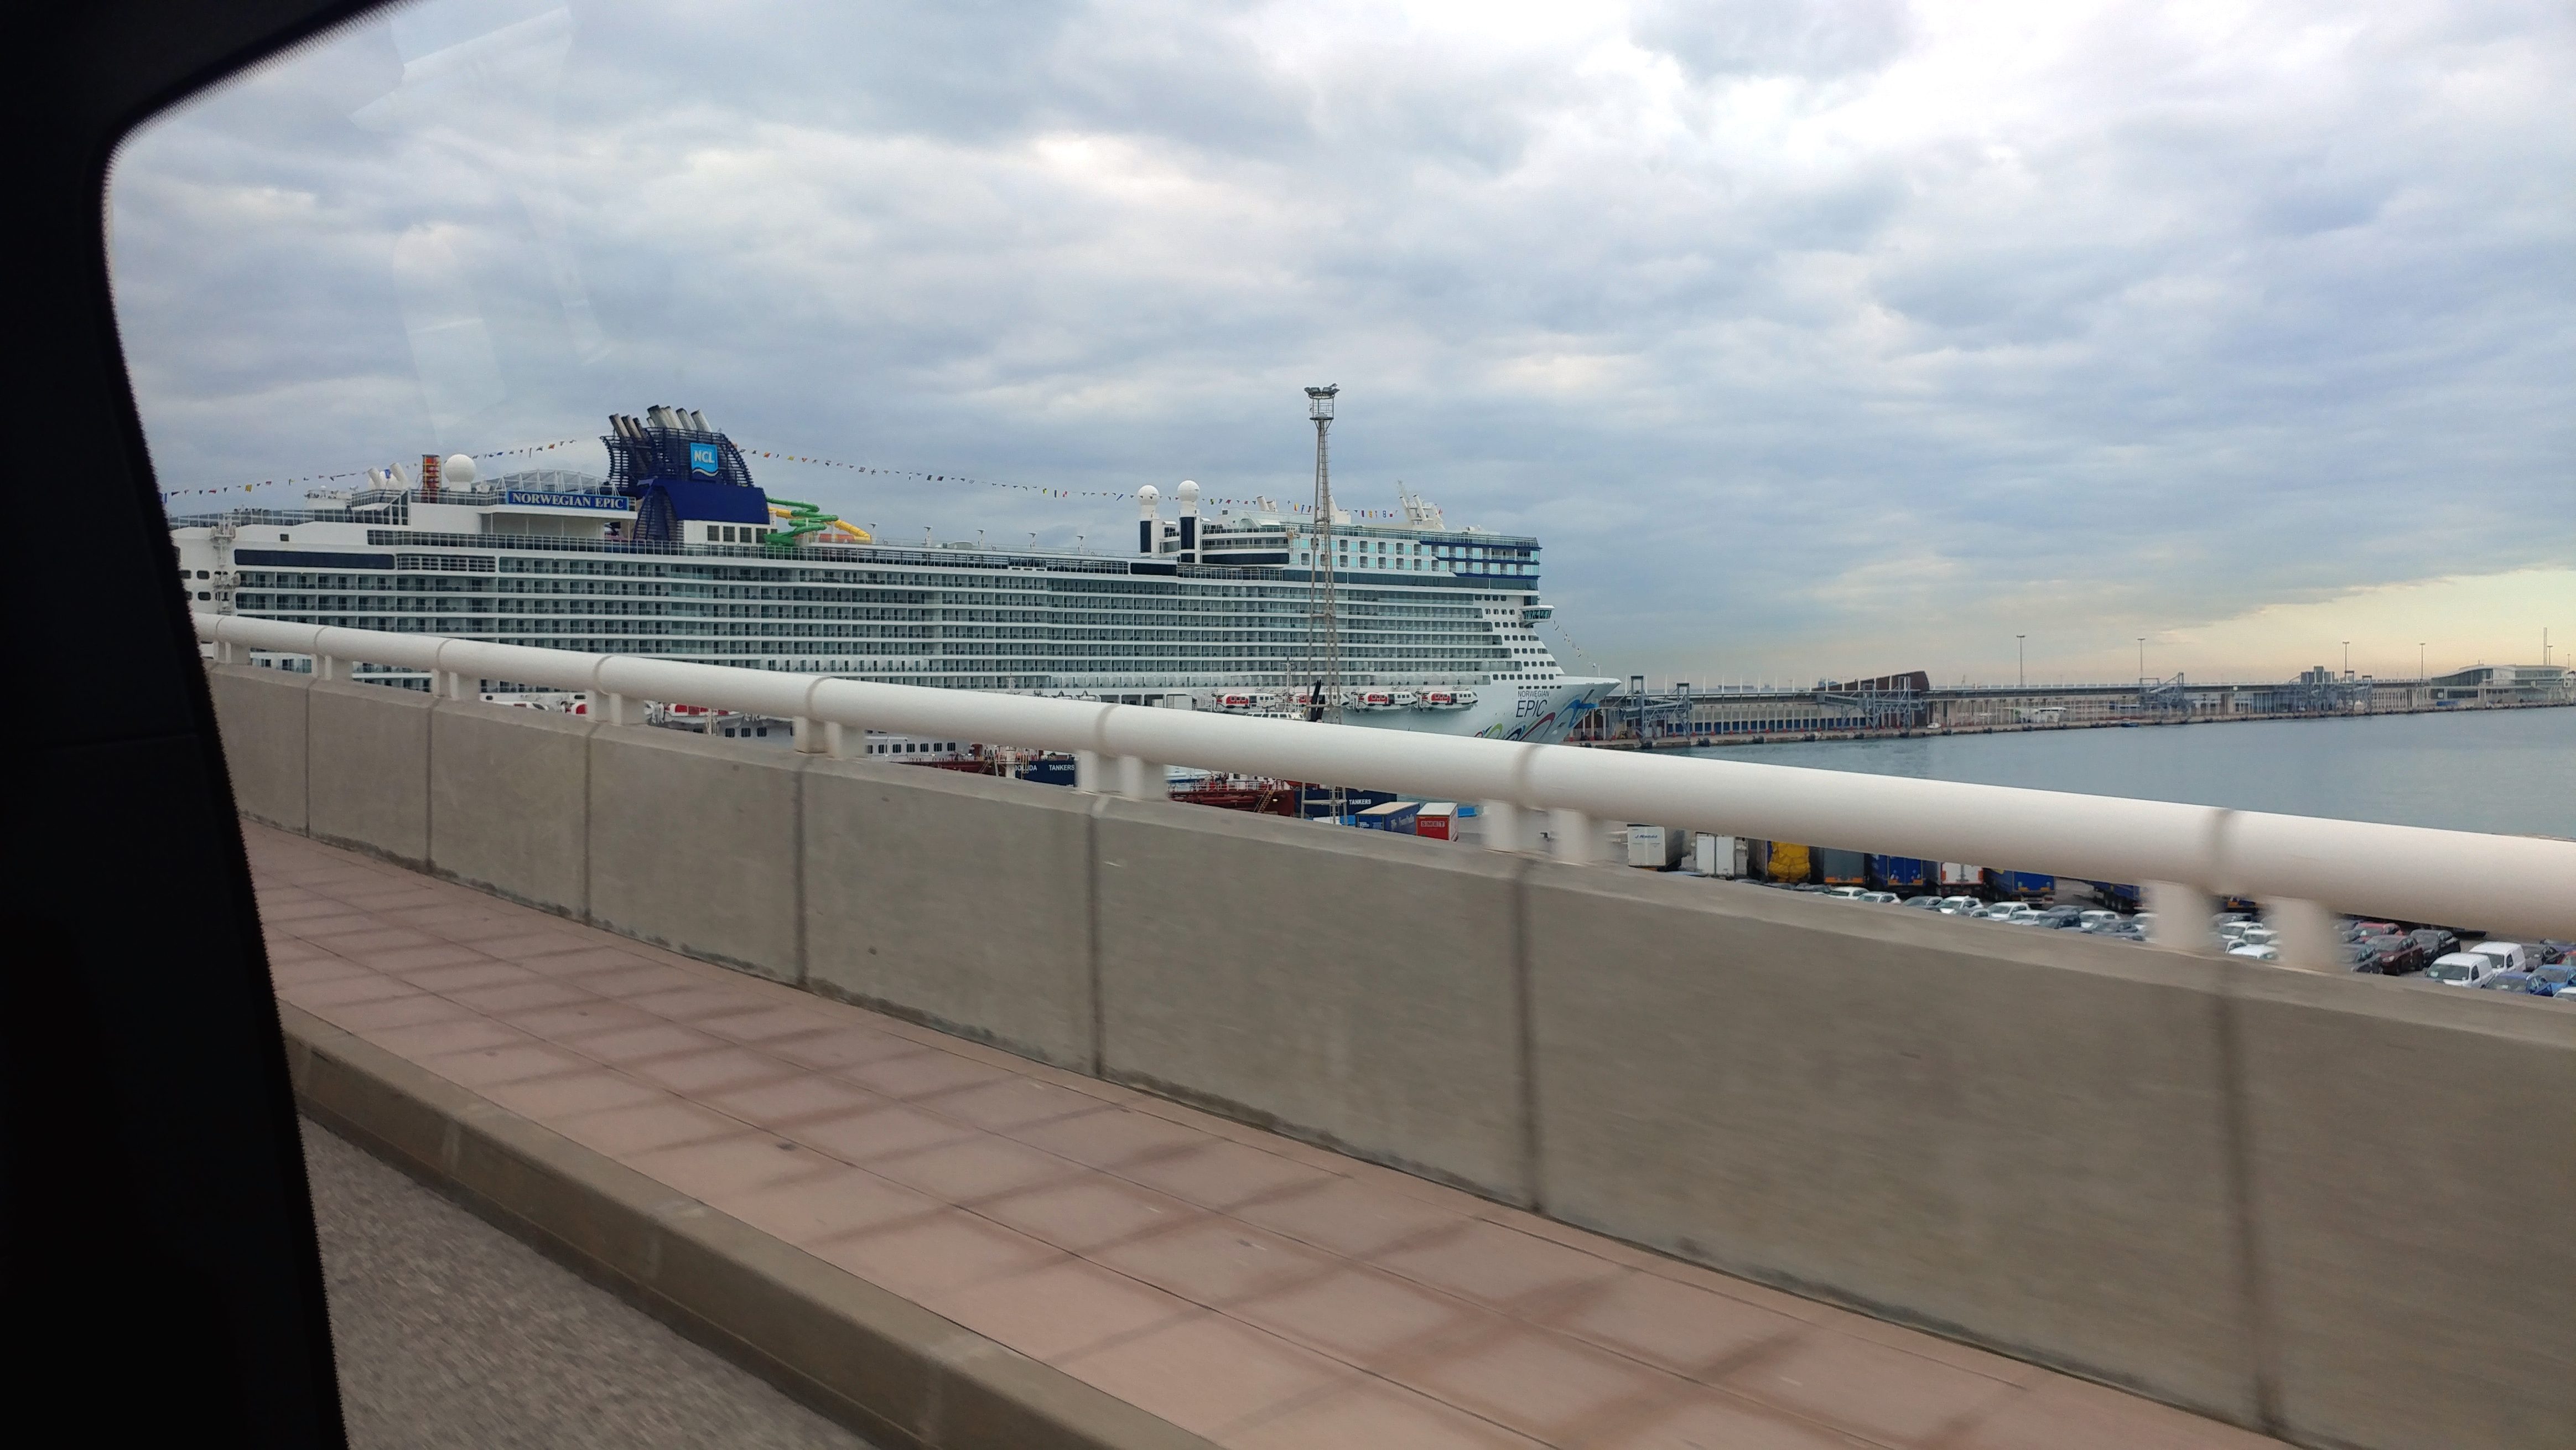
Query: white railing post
point(809, 741)
point(1088, 774)
point(1140, 779)
point(2304, 935)
point(613, 709)
point(1578, 837)
point(325, 668)
point(835, 742)
point(2182, 917)
point(1504, 828)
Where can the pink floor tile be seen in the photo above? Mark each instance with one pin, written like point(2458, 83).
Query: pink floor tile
point(1217, 1261)
point(713, 1071)
point(1885, 1394)
point(523, 945)
point(774, 1101)
point(587, 961)
point(878, 1132)
point(920, 1074)
point(422, 958)
point(1206, 1372)
point(2064, 1412)
point(644, 1127)
point(1686, 1330)
point(1011, 1102)
point(840, 1200)
point(516, 997)
point(721, 1168)
point(843, 1047)
point(692, 1002)
point(430, 1039)
point(1495, 1265)
point(313, 966)
point(974, 1169)
point(950, 1249)
point(1221, 1174)
point(1108, 1137)
point(314, 996)
point(468, 976)
point(566, 1095)
point(408, 1011)
point(642, 1044)
point(1349, 1217)
point(766, 1024)
point(640, 980)
point(589, 1017)
point(1707, 1420)
point(1362, 1317)
point(481, 1067)
point(371, 942)
point(1060, 1309)
point(1087, 1213)
point(1370, 1415)
point(1541, 1384)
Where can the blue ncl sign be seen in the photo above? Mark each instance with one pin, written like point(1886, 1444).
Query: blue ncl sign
point(702, 458)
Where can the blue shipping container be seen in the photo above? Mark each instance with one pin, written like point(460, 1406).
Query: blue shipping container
point(1899, 873)
point(2026, 885)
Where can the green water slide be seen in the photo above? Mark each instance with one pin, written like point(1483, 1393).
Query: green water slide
point(802, 519)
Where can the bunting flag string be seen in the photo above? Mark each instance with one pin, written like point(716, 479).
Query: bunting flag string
point(523, 450)
point(924, 475)
point(1041, 490)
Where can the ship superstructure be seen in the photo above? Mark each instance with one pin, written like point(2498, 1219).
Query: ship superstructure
point(678, 554)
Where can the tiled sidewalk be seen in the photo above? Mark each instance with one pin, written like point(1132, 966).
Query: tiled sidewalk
point(1256, 1290)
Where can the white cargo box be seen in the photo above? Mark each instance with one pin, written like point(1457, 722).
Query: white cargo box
point(1656, 848)
point(1720, 857)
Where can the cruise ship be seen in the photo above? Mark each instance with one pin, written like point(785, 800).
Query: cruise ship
point(678, 554)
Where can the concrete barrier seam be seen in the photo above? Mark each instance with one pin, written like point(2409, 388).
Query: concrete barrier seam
point(1525, 1043)
point(889, 1368)
point(2254, 1288)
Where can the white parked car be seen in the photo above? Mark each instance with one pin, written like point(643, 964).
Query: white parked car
point(2261, 936)
point(2509, 955)
point(1845, 893)
point(1958, 906)
point(2461, 969)
point(2008, 911)
point(1877, 898)
point(2096, 920)
point(2257, 953)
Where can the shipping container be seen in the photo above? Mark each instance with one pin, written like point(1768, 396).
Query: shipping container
point(1959, 876)
point(1438, 821)
point(1788, 862)
point(2021, 885)
point(1837, 867)
point(2114, 894)
point(1394, 816)
point(1656, 848)
point(1904, 875)
point(1720, 857)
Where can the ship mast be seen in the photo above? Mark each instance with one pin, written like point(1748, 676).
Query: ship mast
point(1323, 613)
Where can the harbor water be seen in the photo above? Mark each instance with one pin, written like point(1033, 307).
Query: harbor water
point(2485, 770)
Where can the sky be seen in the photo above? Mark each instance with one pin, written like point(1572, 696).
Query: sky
point(1812, 340)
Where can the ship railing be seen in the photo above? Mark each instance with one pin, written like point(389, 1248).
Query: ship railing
point(1559, 798)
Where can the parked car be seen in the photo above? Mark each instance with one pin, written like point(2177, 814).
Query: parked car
point(2510, 955)
point(2397, 955)
point(1846, 893)
point(2551, 951)
point(2508, 982)
point(2097, 919)
point(2260, 954)
point(2061, 918)
point(2260, 936)
point(2460, 969)
point(2437, 941)
point(1923, 903)
point(2550, 979)
point(1960, 905)
point(2376, 928)
point(1879, 898)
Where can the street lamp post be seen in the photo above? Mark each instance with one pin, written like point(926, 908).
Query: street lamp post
point(2021, 672)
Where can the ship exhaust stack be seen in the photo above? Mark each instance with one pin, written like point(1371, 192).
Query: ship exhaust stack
point(1150, 518)
point(1189, 496)
point(429, 478)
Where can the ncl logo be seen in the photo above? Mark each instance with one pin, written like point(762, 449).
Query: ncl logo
point(702, 458)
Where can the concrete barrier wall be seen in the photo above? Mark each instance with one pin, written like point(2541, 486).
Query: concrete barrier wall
point(956, 900)
point(2327, 1208)
point(261, 715)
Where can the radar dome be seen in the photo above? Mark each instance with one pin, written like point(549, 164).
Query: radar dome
point(1149, 493)
point(459, 468)
point(1188, 490)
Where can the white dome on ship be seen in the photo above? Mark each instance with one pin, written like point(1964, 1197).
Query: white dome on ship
point(1188, 490)
point(459, 468)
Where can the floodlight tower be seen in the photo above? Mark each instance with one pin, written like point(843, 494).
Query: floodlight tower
point(1323, 611)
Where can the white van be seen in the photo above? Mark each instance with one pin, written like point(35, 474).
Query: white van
point(2509, 955)
point(2461, 969)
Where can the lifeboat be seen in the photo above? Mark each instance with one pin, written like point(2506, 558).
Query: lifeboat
point(1238, 700)
point(1376, 700)
point(1446, 699)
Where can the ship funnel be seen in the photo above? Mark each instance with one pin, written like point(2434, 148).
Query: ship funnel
point(1149, 519)
point(698, 421)
point(661, 416)
point(1189, 496)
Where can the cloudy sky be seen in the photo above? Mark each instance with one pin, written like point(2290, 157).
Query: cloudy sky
point(1811, 338)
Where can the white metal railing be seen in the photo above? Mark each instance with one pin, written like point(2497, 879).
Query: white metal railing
point(2303, 868)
